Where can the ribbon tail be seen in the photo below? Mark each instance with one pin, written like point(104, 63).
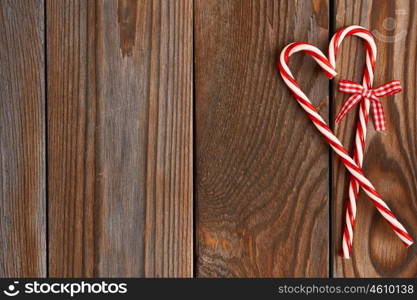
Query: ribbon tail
point(349, 104)
point(379, 116)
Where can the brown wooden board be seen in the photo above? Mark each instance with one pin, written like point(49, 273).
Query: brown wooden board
point(390, 158)
point(22, 139)
point(261, 167)
point(96, 140)
point(120, 138)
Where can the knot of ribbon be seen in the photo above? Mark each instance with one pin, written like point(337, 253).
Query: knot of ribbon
point(360, 93)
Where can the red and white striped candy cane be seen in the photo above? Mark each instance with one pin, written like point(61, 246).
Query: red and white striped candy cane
point(324, 129)
point(361, 128)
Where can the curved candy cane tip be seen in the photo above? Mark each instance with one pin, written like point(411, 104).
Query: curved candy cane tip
point(330, 75)
point(358, 31)
point(313, 51)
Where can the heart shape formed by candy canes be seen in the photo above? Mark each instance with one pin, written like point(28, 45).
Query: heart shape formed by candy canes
point(352, 165)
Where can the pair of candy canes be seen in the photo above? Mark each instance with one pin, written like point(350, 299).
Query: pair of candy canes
point(353, 165)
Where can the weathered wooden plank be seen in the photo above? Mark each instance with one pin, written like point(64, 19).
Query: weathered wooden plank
point(391, 158)
point(120, 138)
point(22, 139)
point(262, 169)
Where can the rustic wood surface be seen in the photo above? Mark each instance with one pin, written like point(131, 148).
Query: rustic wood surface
point(390, 158)
point(120, 138)
point(157, 139)
point(261, 193)
point(22, 139)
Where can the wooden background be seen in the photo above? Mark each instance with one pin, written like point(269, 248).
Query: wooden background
point(157, 139)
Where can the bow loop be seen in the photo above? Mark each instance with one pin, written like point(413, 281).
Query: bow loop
point(360, 93)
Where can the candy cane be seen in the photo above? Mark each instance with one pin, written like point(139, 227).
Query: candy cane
point(361, 130)
point(333, 141)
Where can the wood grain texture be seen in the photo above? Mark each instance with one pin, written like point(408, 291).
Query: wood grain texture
point(22, 139)
point(120, 138)
point(390, 158)
point(262, 169)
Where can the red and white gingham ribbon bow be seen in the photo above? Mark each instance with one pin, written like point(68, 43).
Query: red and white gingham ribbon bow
point(360, 93)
